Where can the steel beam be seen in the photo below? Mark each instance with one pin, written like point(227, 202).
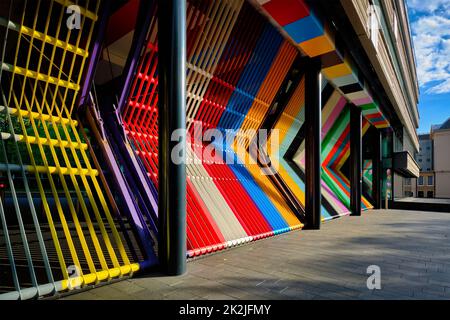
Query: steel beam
point(355, 160)
point(377, 167)
point(313, 142)
point(172, 117)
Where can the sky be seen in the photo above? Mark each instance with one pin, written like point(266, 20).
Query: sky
point(430, 27)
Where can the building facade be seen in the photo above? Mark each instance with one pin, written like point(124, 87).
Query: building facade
point(425, 156)
point(425, 187)
point(441, 150)
point(90, 188)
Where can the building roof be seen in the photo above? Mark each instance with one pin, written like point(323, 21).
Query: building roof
point(445, 125)
point(424, 136)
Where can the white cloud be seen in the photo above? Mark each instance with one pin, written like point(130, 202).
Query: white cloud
point(443, 87)
point(431, 34)
point(428, 6)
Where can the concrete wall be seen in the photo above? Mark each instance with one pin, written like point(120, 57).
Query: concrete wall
point(442, 185)
point(399, 190)
point(442, 163)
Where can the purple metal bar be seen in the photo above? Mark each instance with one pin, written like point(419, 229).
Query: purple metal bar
point(123, 191)
point(96, 53)
point(133, 204)
point(139, 39)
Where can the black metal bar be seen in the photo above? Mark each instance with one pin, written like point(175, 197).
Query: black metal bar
point(313, 142)
point(172, 117)
point(392, 168)
point(377, 167)
point(355, 160)
point(279, 104)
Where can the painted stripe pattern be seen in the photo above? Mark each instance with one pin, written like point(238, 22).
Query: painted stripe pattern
point(59, 223)
point(232, 78)
point(61, 228)
point(316, 38)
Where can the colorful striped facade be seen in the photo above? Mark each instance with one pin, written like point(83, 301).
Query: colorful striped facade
point(79, 202)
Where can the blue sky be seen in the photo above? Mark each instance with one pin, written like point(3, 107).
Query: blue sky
point(430, 26)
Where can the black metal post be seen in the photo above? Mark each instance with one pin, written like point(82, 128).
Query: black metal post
point(172, 117)
point(313, 145)
point(355, 160)
point(377, 167)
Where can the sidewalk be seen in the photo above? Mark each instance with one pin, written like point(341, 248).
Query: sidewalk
point(411, 248)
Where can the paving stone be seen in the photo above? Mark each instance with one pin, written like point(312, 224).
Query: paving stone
point(411, 248)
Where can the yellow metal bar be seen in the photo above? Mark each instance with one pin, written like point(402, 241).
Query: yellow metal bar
point(59, 132)
point(36, 115)
point(84, 207)
point(43, 141)
point(46, 169)
point(66, 229)
point(97, 187)
point(92, 233)
point(50, 109)
point(46, 206)
point(40, 36)
point(39, 76)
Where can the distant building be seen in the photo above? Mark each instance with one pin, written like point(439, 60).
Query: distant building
point(433, 159)
point(425, 184)
point(440, 136)
point(425, 156)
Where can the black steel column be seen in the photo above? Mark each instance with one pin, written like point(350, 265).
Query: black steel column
point(355, 160)
point(313, 144)
point(377, 167)
point(172, 116)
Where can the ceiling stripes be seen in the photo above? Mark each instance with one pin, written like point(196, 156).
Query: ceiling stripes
point(315, 37)
point(302, 24)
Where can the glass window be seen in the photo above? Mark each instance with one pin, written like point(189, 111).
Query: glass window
point(374, 26)
point(420, 181)
point(395, 26)
point(430, 180)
